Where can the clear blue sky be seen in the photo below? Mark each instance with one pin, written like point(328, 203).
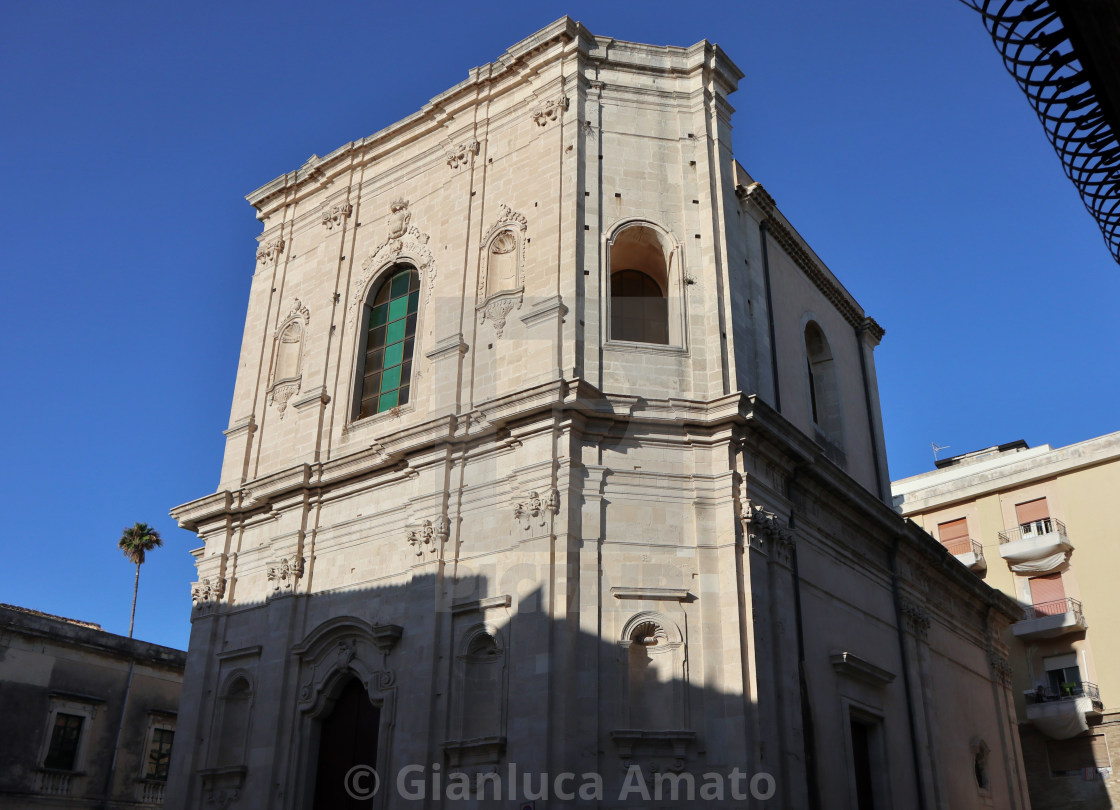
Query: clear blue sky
point(888, 132)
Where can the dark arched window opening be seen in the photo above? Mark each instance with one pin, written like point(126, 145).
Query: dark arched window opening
point(639, 286)
point(824, 392)
point(347, 738)
point(389, 329)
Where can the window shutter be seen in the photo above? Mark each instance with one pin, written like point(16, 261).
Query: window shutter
point(1031, 511)
point(1047, 589)
point(953, 530)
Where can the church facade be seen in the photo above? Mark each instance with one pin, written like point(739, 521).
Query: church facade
point(555, 474)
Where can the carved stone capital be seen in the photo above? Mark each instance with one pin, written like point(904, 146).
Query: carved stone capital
point(1001, 667)
point(207, 592)
point(283, 574)
point(270, 250)
point(536, 509)
point(546, 112)
point(428, 536)
point(917, 619)
point(334, 214)
point(462, 155)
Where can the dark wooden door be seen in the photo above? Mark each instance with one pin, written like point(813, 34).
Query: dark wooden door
point(347, 737)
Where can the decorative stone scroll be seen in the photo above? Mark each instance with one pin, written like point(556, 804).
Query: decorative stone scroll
point(403, 241)
point(429, 536)
point(1001, 667)
point(546, 112)
point(207, 592)
point(284, 574)
point(270, 250)
point(501, 280)
point(287, 371)
point(535, 510)
point(462, 155)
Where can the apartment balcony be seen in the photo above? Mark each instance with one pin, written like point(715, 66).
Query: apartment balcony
point(1050, 619)
point(1036, 546)
point(969, 552)
point(1064, 715)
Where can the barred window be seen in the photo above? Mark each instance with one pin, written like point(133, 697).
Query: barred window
point(159, 754)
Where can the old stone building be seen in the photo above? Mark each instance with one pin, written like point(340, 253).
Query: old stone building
point(554, 449)
point(87, 718)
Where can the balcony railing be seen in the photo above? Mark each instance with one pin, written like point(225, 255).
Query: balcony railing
point(1069, 691)
point(964, 545)
point(1036, 528)
point(152, 792)
point(1054, 608)
point(54, 783)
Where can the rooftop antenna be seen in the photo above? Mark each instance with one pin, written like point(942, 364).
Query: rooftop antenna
point(937, 448)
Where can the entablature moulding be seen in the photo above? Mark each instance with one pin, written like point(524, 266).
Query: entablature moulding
point(753, 422)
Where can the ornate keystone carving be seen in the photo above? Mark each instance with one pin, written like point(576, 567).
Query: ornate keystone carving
point(399, 217)
point(270, 250)
point(428, 536)
point(536, 509)
point(462, 154)
point(401, 239)
point(548, 111)
point(283, 574)
point(208, 592)
point(334, 214)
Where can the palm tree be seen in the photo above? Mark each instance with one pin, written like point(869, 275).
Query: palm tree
point(135, 542)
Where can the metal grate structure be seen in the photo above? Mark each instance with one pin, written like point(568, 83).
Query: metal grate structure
point(1065, 57)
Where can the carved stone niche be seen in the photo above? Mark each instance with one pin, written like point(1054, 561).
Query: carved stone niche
point(501, 280)
point(287, 361)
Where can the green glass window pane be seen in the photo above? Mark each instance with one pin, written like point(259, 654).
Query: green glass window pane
point(410, 326)
point(394, 355)
point(413, 301)
point(391, 379)
point(387, 401)
point(398, 308)
point(400, 284)
point(394, 332)
point(377, 316)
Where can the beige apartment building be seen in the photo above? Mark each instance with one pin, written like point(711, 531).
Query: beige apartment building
point(555, 468)
point(1036, 523)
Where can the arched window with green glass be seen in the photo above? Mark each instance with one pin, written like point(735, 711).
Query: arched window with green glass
point(388, 337)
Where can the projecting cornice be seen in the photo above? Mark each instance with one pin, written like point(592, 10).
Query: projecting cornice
point(505, 74)
point(804, 258)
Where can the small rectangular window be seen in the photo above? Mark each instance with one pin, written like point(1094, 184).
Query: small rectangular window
point(159, 754)
point(65, 735)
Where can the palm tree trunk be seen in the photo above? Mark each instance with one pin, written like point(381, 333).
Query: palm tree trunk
point(135, 590)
